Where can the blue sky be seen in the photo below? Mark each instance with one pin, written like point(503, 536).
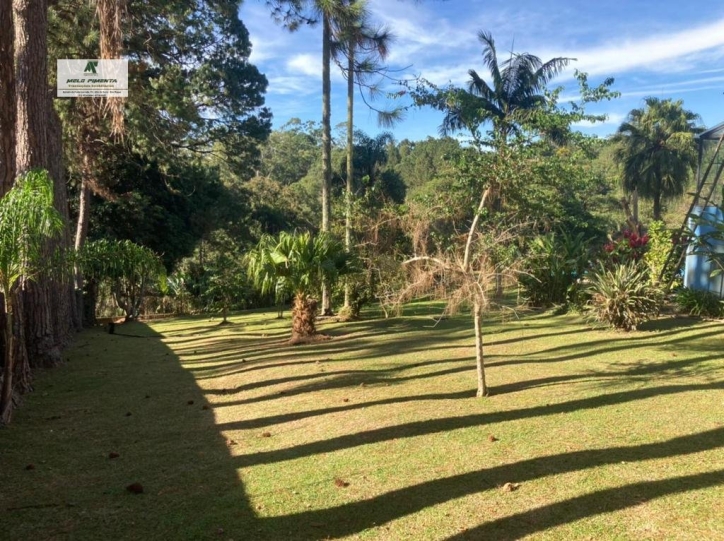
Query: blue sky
point(665, 48)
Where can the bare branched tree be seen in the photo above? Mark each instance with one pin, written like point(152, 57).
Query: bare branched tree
point(464, 272)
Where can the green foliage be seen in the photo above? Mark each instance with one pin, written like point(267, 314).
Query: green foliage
point(226, 285)
point(697, 302)
point(622, 297)
point(296, 263)
point(660, 245)
point(27, 220)
point(170, 220)
point(554, 264)
point(126, 267)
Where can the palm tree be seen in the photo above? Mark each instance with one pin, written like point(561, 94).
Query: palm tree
point(657, 150)
point(333, 13)
point(298, 264)
point(354, 37)
point(516, 89)
point(27, 220)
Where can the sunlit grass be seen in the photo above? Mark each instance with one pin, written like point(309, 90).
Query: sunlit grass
point(374, 434)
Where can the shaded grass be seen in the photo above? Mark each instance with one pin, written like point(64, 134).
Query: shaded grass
point(615, 436)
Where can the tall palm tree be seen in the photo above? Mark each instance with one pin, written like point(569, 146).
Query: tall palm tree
point(656, 150)
point(332, 13)
point(297, 264)
point(516, 89)
point(363, 47)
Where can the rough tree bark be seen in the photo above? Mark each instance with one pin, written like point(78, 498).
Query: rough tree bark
point(304, 312)
point(7, 97)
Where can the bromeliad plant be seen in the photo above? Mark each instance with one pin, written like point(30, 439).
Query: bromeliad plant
point(623, 296)
point(298, 264)
point(27, 221)
point(556, 261)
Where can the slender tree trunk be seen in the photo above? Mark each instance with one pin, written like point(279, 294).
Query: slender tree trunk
point(81, 233)
point(7, 97)
point(635, 205)
point(326, 145)
point(657, 205)
point(479, 358)
point(350, 163)
point(6, 398)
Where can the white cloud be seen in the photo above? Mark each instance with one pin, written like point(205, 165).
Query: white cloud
point(670, 52)
point(306, 64)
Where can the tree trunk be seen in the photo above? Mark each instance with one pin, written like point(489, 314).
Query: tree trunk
point(479, 358)
point(350, 163)
point(7, 97)
point(81, 230)
point(326, 144)
point(635, 205)
point(6, 398)
point(657, 205)
point(31, 51)
point(304, 312)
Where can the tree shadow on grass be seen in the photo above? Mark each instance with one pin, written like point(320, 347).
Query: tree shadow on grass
point(433, 426)
point(189, 474)
point(133, 398)
point(355, 517)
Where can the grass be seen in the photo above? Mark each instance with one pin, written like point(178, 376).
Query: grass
point(375, 434)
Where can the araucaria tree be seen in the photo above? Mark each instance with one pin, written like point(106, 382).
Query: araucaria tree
point(656, 151)
point(298, 264)
point(27, 221)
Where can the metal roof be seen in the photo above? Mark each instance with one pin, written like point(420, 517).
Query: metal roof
point(712, 133)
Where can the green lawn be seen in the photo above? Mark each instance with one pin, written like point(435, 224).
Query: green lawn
point(374, 434)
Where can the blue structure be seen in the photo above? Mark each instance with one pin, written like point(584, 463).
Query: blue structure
point(698, 268)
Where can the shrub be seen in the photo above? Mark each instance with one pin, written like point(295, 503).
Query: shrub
point(700, 303)
point(555, 263)
point(660, 245)
point(622, 296)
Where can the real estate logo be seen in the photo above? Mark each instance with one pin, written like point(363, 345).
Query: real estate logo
point(92, 78)
point(91, 66)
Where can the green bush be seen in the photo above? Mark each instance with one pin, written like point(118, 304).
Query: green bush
point(623, 297)
point(700, 303)
point(555, 263)
point(660, 245)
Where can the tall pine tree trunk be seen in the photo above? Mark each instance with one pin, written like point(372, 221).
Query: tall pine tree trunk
point(46, 306)
point(7, 97)
point(326, 144)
